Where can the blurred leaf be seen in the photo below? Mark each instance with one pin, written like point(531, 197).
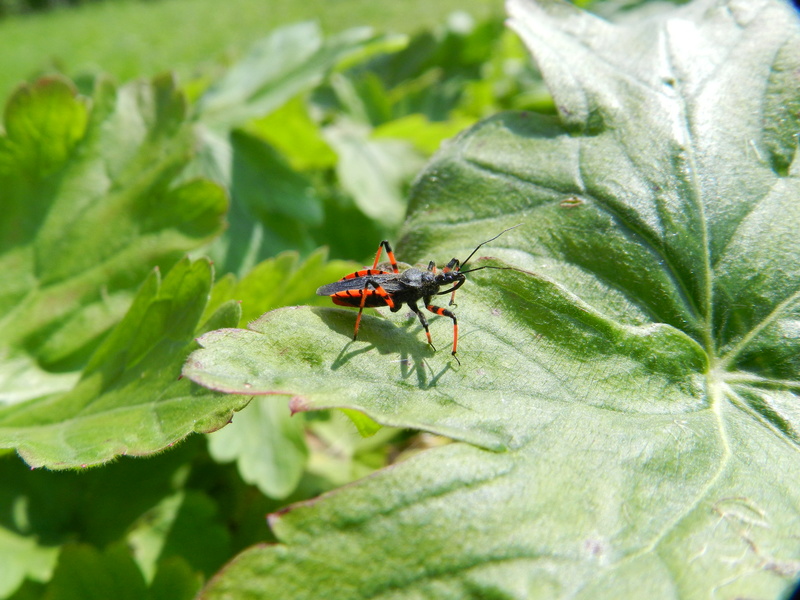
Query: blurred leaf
point(268, 186)
point(426, 136)
point(130, 399)
point(346, 445)
point(426, 77)
point(23, 557)
point(291, 130)
point(628, 402)
point(268, 446)
point(375, 172)
point(364, 100)
point(99, 504)
point(97, 507)
point(183, 525)
point(281, 281)
point(86, 573)
point(91, 204)
point(291, 59)
point(348, 232)
point(274, 204)
point(175, 580)
point(274, 207)
point(366, 426)
point(253, 237)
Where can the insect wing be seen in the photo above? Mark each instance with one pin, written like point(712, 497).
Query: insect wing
point(388, 281)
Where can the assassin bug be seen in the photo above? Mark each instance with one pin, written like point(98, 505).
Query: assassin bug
point(374, 288)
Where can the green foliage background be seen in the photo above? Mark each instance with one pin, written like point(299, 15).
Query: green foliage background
point(625, 418)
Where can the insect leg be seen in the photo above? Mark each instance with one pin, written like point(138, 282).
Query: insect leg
point(453, 265)
point(380, 292)
point(385, 245)
point(443, 312)
point(413, 306)
point(374, 270)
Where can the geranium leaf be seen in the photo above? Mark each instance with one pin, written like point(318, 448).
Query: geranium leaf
point(130, 398)
point(92, 201)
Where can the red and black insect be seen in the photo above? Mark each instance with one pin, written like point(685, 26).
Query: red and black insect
point(374, 288)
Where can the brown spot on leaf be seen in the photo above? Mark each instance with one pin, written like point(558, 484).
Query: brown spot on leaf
point(570, 202)
point(298, 404)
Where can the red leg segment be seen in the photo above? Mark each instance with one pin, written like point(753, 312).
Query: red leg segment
point(378, 291)
point(443, 312)
point(384, 245)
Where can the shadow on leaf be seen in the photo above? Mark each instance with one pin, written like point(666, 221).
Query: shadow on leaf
point(387, 338)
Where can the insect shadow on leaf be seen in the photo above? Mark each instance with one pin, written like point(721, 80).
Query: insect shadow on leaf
point(376, 287)
point(385, 337)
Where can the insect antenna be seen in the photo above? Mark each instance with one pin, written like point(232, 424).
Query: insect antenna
point(461, 270)
point(488, 267)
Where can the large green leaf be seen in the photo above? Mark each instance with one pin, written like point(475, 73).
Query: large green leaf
point(630, 398)
point(92, 201)
point(130, 398)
